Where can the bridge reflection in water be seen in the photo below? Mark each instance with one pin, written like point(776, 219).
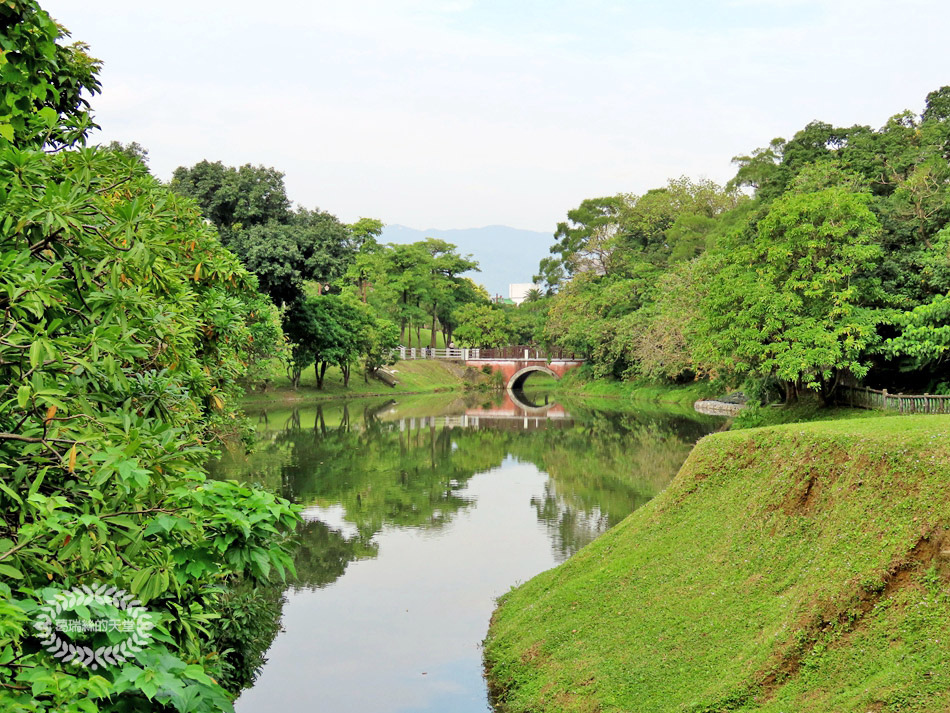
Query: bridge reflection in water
point(511, 410)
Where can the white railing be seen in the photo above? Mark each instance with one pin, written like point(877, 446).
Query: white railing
point(427, 353)
point(466, 354)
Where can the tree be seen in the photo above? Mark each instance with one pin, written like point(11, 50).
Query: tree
point(43, 102)
point(938, 105)
point(233, 198)
point(794, 302)
point(482, 326)
point(336, 329)
point(125, 330)
point(582, 243)
point(443, 288)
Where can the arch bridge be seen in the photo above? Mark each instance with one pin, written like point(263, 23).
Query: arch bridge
point(515, 363)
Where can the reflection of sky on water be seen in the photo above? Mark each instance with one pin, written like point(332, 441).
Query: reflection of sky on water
point(401, 632)
point(419, 513)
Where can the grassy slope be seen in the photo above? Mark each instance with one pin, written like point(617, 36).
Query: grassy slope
point(580, 383)
point(794, 568)
point(420, 376)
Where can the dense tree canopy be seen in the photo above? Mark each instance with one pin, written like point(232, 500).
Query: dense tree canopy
point(836, 266)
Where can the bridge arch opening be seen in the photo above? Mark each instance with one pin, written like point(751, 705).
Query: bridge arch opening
point(517, 380)
point(526, 403)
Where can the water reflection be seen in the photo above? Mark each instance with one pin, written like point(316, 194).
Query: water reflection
point(441, 503)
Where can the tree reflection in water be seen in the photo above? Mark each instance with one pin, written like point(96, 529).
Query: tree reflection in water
point(406, 464)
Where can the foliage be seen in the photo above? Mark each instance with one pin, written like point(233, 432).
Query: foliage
point(44, 82)
point(582, 243)
point(125, 329)
point(528, 320)
point(835, 267)
point(234, 198)
point(482, 326)
point(794, 302)
point(414, 284)
point(126, 326)
point(925, 335)
point(336, 329)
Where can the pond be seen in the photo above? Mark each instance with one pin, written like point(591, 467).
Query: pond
point(419, 512)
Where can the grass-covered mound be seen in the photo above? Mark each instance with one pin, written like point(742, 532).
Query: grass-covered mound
point(797, 568)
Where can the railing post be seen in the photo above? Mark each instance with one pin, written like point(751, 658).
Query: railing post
point(402, 353)
point(412, 353)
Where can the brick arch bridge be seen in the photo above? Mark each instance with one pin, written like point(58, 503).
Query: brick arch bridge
point(516, 364)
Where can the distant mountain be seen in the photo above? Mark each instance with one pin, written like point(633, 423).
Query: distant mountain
point(505, 255)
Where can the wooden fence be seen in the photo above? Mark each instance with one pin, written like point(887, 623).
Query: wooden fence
point(863, 397)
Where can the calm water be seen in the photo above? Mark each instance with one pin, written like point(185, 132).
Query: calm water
point(419, 513)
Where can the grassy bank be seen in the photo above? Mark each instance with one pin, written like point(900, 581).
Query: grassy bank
point(414, 377)
point(580, 383)
point(794, 568)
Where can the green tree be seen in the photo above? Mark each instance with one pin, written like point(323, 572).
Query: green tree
point(583, 242)
point(45, 82)
point(234, 198)
point(482, 325)
point(125, 329)
point(794, 302)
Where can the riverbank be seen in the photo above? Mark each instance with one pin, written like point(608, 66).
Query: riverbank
point(414, 377)
point(579, 383)
point(801, 567)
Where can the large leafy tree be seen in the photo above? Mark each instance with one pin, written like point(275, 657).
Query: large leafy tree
point(125, 326)
point(795, 301)
point(234, 198)
point(582, 243)
point(312, 246)
point(482, 325)
point(46, 84)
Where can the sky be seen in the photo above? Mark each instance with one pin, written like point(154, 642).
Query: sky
point(465, 113)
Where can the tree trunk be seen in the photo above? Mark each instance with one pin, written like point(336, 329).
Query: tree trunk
point(320, 371)
point(402, 331)
point(345, 368)
point(791, 395)
point(432, 340)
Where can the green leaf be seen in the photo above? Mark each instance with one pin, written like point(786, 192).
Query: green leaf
point(49, 116)
point(10, 571)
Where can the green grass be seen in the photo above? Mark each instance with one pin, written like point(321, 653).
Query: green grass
point(580, 383)
point(426, 336)
point(794, 568)
point(756, 416)
point(414, 376)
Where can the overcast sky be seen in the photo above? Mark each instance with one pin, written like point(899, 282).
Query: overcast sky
point(463, 113)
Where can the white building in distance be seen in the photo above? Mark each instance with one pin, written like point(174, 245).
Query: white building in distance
point(519, 291)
